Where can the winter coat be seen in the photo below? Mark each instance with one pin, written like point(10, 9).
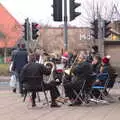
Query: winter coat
point(82, 70)
point(32, 74)
point(20, 59)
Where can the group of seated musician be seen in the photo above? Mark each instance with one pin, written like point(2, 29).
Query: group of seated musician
point(93, 73)
point(80, 72)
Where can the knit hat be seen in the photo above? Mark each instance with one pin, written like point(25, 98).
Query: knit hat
point(105, 60)
point(65, 56)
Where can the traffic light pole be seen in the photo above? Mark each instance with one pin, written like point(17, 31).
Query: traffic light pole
point(28, 32)
point(65, 26)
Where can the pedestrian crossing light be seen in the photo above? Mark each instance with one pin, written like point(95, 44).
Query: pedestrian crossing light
point(57, 10)
point(73, 6)
point(94, 29)
point(35, 30)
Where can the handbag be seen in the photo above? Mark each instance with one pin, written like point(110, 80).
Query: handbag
point(13, 81)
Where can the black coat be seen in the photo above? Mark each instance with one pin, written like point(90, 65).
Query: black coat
point(32, 74)
point(20, 59)
point(83, 70)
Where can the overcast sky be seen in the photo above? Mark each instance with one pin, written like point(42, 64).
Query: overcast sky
point(40, 10)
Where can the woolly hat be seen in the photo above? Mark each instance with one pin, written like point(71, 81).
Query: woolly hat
point(105, 60)
point(65, 56)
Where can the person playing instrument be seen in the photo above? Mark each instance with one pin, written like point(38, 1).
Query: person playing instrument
point(81, 72)
point(101, 78)
point(96, 64)
point(32, 79)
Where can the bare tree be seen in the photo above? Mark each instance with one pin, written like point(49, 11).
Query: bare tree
point(97, 7)
point(92, 8)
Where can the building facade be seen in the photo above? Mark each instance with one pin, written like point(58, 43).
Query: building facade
point(52, 38)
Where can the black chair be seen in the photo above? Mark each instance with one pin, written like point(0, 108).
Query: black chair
point(101, 88)
point(34, 84)
point(83, 93)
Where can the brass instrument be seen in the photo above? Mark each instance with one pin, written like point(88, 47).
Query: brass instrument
point(68, 71)
point(51, 64)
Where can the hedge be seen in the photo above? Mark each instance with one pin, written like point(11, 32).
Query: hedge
point(4, 70)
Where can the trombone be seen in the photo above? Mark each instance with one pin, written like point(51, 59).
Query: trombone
point(68, 71)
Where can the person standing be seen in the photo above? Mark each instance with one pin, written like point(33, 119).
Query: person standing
point(20, 59)
point(14, 51)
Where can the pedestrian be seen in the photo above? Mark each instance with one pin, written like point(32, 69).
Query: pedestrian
point(20, 59)
point(14, 51)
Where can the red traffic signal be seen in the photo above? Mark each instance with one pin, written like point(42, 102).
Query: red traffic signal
point(35, 29)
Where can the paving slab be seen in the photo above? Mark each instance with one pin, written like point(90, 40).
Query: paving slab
point(12, 108)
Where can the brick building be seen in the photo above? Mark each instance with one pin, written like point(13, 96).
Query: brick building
point(52, 38)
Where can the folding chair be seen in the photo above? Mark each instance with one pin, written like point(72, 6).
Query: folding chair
point(81, 94)
point(101, 89)
point(28, 91)
point(78, 94)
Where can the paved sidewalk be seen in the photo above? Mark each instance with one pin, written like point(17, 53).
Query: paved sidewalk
point(12, 108)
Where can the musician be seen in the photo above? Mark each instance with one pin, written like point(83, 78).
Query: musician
point(101, 78)
point(32, 77)
point(81, 72)
point(64, 59)
point(96, 64)
point(72, 57)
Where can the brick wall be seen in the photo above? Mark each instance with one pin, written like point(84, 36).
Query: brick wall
point(53, 38)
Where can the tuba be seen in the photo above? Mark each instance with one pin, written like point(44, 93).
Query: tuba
point(51, 65)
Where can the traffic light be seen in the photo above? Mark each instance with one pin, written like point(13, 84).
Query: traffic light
point(73, 6)
point(107, 28)
point(57, 10)
point(25, 31)
point(35, 29)
point(95, 29)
